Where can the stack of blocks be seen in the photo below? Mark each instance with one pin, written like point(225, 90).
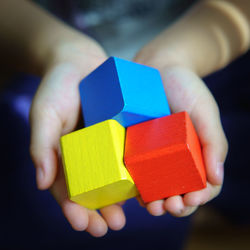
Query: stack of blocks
point(131, 144)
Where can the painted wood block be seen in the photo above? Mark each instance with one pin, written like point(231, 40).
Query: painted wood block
point(164, 157)
point(93, 164)
point(122, 90)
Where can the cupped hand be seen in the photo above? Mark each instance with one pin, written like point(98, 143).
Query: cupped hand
point(186, 91)
point(55, 111)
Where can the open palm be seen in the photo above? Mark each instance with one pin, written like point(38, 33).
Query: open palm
point(186, 91)
point(55, 111)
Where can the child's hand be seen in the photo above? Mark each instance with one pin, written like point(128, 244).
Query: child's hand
point(55, 112)
point(186, 91)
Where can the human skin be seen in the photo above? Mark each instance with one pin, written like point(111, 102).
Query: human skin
point(207, 38)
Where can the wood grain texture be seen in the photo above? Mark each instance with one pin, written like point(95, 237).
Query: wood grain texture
point(93, 164)
point(164, 157)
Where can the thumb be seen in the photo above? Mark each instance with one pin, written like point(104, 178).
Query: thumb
point(213, 141)
point(186, 91)
point(45, 134)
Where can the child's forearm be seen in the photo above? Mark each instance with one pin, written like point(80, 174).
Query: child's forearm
point(29, 35)
point(208, 37)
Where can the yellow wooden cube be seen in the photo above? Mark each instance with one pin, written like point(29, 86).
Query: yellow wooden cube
point(93, 164)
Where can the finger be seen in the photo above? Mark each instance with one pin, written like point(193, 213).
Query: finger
point(201, 197)
point(156, 208)
point(114, 216)
point(76, 215)
point(174, 205)
point(97, 226)
point(198, 197)
point(188, 211)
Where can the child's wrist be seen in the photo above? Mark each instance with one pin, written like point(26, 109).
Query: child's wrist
point(163, 58)
point(73, 51)
point(48, 49)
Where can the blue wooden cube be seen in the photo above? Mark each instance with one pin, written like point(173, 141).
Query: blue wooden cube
point(122, 90)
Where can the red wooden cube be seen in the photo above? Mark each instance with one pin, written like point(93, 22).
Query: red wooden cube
point(164, 157)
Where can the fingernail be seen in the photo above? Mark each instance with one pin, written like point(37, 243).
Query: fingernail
point(39, 176)
point(220, 172)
